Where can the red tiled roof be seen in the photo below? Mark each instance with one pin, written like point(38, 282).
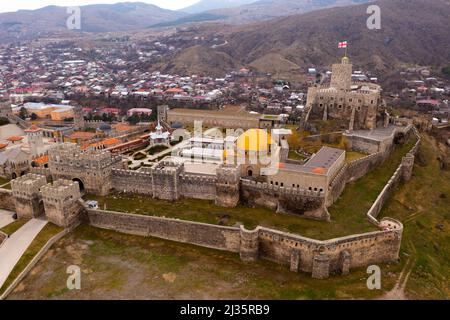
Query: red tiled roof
point(15, 138)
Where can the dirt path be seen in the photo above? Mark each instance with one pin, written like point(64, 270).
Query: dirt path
point(398, 292)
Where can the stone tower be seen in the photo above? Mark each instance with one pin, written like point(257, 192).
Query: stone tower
point(227, 186)
point(166, 184)
point(249, 249)
point(5, 110)
point(26, 191)
point(78, 118)
point(321, 266)
point(61, 202)
point(341, 77)
point(91, 168)
point(35, 140)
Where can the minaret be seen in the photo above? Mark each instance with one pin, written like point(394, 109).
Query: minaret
point(35, 140)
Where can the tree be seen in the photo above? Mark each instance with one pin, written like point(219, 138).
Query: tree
point(23, 114)
point(134, 119)
point(446, 71)
point(34, 116)
point(4, 121)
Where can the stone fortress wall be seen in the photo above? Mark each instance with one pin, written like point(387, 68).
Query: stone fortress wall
point(63, 206)
point(358, 168)
point(91, 168)
point(170, 183)
point(403, 173)
point(7, 200)
point(320, 258)
point(284, 199)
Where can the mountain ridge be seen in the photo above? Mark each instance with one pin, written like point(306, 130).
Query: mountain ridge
point(122, 16)
point(412, 32)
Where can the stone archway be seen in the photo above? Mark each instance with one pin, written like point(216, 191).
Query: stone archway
point(81, 184)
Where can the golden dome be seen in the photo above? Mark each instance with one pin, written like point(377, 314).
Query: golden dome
point(256, 140)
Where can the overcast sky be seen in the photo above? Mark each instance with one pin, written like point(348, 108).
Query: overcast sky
point(14, 5)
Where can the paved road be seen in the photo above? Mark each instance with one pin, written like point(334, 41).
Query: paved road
point(5, 218)
point(15, 246)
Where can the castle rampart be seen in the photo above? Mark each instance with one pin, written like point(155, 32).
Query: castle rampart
point(296, 252)
point(284, 199)
point(210, 236)
point(26, 191)
point(62, 202)
point(91, 168)
point(7, 200)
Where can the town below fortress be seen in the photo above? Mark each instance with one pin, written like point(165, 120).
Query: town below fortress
point(58, 160)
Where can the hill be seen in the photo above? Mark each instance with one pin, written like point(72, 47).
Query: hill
point(253, 11)
point(199, 60)
point(412, 32)
point(206, 5)
point(30, 24)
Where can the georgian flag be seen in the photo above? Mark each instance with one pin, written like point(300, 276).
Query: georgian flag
point(342, 45)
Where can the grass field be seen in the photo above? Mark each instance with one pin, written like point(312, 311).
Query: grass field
point(13, 227)
point(3, 181)
point(423, 205)
point(118, 266)
point(42, 238)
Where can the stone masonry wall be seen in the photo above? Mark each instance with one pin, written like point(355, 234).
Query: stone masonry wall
point(403, 173)
point(364, 249)
point(198, 186)
point(284, 199)
point(300, 253)
point(7, 200)
point(205, 235)
point(129, 181)
point(353, 171)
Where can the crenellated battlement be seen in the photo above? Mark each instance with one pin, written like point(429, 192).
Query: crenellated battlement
point(61, 191)
point(228, 174)
point(167, 168)
point(28, 186)
point(197, 178)
point(281, 191)
point(131, 173)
